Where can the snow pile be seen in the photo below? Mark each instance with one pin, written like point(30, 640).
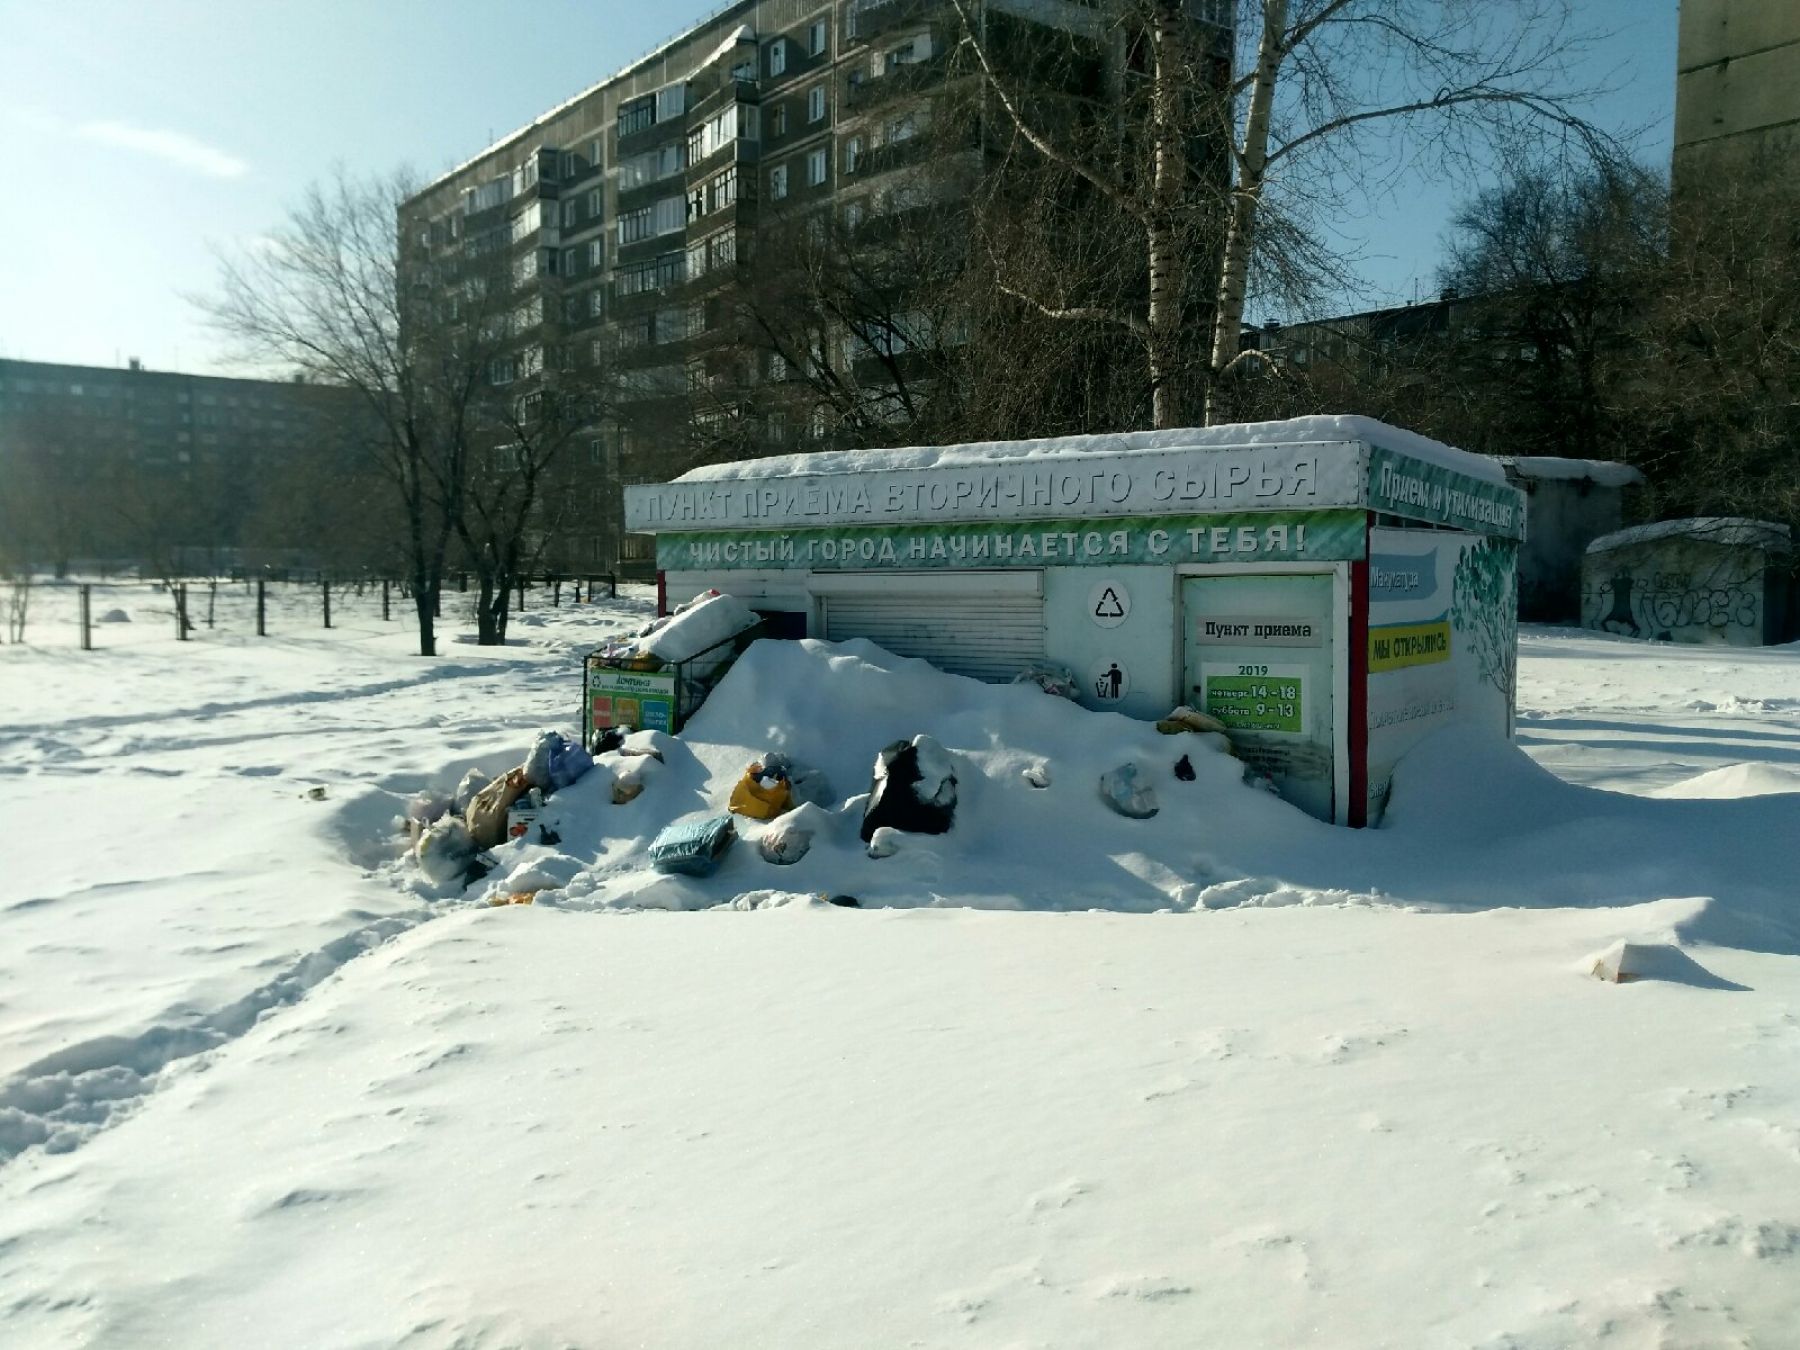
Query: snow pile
point(1012, 845)
point(1320, 429)
point(1726, 531)
point(1554, 468)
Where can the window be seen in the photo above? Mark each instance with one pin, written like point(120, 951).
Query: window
point(815, 38)
point(853, 216)
point(778, 57)
point(696, 260)
point(569, 209)
point(671, 324)
point(778, 182)
point(902, 128)
point(594, 152)
point(634, 225)
point(852, 153)
point(568, 262)
point(670, 215)
point(594, 252)
point(594, 451)
point(778, 366)
point(724, 248)
point(778, 120)
point(596, 305)
point(638, 115)
point(671, 101)
point(502, 370)
point(593, 204)
point(815, 103)
point(815, 167)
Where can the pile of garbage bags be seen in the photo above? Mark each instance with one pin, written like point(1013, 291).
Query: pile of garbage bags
point(449, 834)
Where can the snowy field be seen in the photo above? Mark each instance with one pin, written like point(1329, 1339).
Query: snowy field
point(1225, 1077)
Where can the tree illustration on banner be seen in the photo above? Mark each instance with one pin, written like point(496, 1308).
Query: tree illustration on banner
point(1485, 606)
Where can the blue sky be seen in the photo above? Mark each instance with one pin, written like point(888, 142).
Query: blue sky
point(137, 134)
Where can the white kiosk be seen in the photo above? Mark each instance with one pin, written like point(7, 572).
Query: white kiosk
point(1332, 588)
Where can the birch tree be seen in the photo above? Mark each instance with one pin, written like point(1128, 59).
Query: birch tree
point(1326, 106)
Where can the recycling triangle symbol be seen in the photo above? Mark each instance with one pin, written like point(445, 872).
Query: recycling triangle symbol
point(1109, 606)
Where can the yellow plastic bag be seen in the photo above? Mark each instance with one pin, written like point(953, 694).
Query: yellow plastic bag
point(751, 798)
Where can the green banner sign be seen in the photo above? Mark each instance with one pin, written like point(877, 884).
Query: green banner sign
point(1403, 486)
point(1261, 536)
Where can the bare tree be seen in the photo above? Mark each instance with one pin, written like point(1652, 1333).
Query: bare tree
point(340, 295)
point(1332, 95)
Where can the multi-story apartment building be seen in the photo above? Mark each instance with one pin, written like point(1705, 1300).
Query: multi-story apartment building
point(109, 463)
point(633, 213)
point(1737, 87)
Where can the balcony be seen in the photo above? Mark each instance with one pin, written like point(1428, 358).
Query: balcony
point(871, 91)
point(869, 19)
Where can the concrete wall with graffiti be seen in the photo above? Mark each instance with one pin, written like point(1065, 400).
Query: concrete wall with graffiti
point(1443, 641)
point(1724, 583)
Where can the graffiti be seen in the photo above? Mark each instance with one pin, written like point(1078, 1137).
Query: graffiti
point(1686, 606)
point(1485, 607)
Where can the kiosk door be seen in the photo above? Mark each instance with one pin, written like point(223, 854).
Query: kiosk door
point(1258, 654)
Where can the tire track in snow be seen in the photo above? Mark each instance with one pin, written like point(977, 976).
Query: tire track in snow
point(61, 1101)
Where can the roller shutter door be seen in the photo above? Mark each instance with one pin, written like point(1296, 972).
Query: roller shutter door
point(988, 636)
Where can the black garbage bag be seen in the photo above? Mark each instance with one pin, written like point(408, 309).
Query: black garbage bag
point(914, 789)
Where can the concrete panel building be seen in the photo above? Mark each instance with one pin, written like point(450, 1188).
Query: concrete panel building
point(1737, 84)
point(637, 212)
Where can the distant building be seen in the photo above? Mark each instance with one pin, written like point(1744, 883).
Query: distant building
point(637, 214)
point(1737, 84)
point(107, 463)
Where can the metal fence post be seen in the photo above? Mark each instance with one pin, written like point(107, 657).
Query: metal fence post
point(212, 599)
point(386, 614)
point(181, 623)
point(262, 628)
point(556, 594)
point(325, 592)
point(87, 618)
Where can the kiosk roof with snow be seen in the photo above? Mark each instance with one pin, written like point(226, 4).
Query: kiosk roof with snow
point(1329, 587)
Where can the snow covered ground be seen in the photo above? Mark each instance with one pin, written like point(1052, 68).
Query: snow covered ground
point(1223, 1077)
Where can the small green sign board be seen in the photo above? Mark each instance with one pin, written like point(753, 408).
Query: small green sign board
point(1263, 702)
point(641, 700)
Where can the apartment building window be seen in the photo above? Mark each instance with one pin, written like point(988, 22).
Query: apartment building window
point(696, 260)
point(634, 225)
point(636, 332)
point(722, 191)
point(593, 204)
point(778, 121)
point(670, 214)
point(902, 128)
point(637, 115)
point(671, 325)
point(853, 216)
point(815, 38)
point(502, 370)
point(596, 303)
point(595, 455)
point(852, 152)
point(569, 209)
point(671, 101)
point(778, 57)
point(594, 152)
point(724, 248)
point(778, 182)
point(594, 252)
point(568, 262)
point(815, 103)
point(815, 167)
